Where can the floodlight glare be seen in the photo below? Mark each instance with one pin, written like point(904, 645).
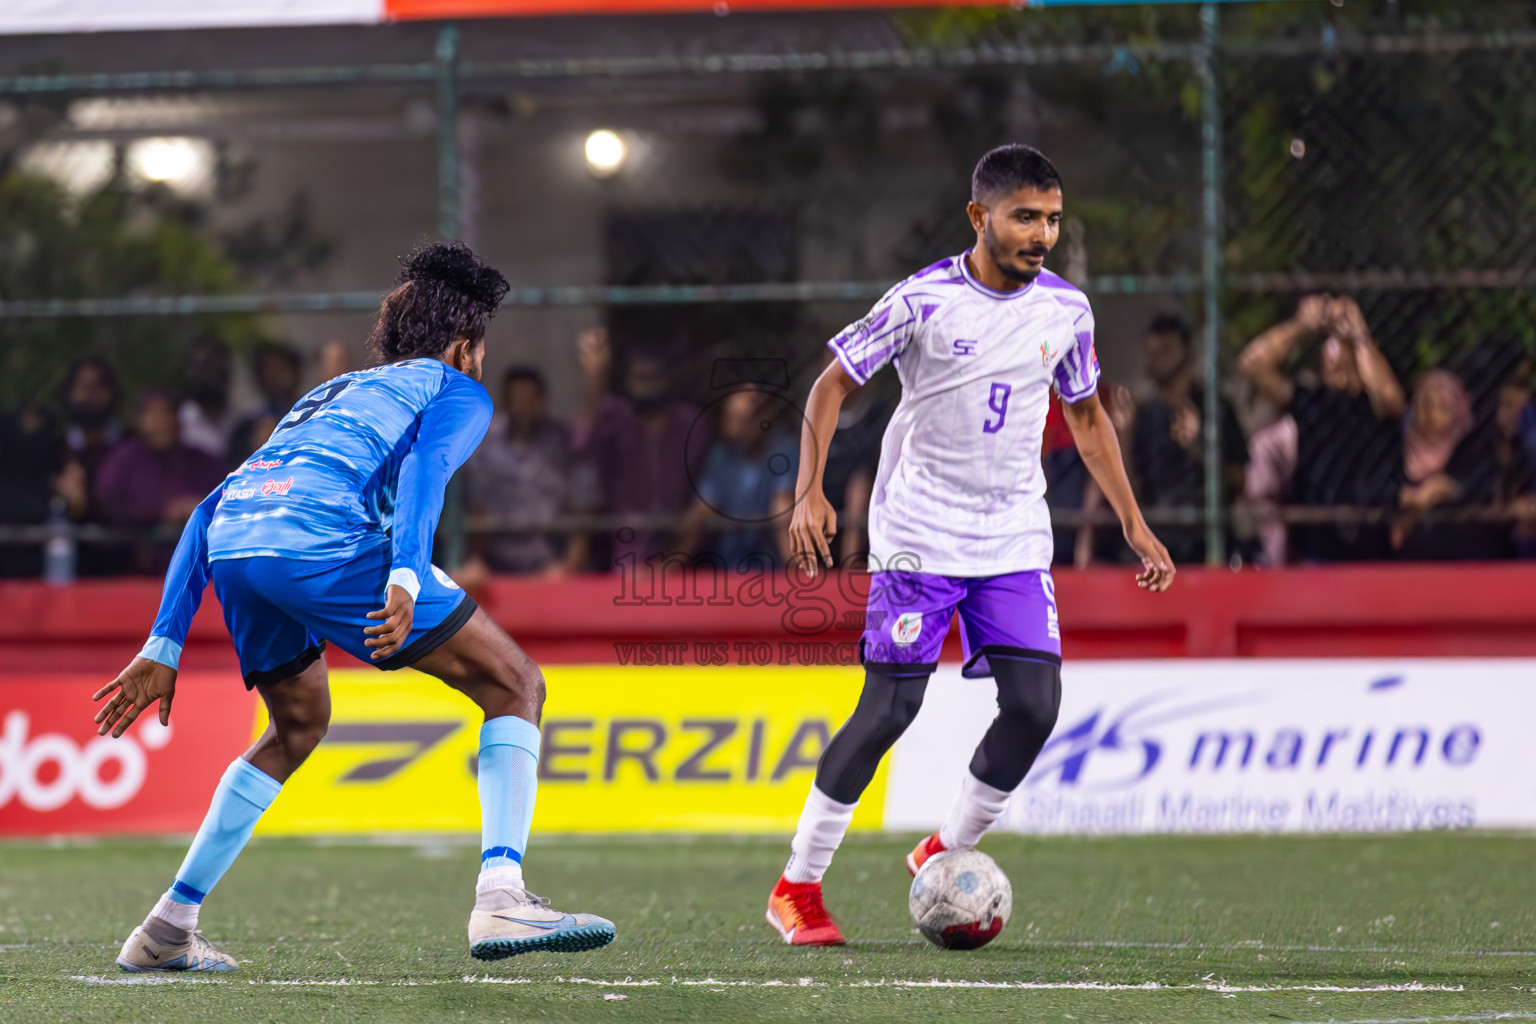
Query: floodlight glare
point(605, 152)
point(175, 161)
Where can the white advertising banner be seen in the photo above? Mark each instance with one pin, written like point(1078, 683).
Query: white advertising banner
point(1247, 746)
point(33, 16)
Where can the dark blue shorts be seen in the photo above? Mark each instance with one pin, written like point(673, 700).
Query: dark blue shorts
point(281, 611)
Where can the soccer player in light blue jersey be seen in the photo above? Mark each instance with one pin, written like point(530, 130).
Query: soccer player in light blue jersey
point(334, 514)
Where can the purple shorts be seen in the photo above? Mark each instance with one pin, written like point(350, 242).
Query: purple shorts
point(908, 615)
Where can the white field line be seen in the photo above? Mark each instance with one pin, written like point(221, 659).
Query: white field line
point(1470, 1019)
point(1265, 947)
point(1257, 946)
point(1218, 987)
point(1153, 986)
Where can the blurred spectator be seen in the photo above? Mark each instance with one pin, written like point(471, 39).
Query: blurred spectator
point(91, 429)
point(1066, 477)
point(154, 479)
point(1168, 447)
point(278, 372)
point(1444, 465)
point(639, 442)
point(1102, 543)
point(852, 459)
point(332, 360)
point(1268, 485)
point(29, 458)
point(1070, 489)
point(92, 402)
point(206, 419)
point(1346, 413)
point(525, 474)
point(1516, 458)
point(747, 486)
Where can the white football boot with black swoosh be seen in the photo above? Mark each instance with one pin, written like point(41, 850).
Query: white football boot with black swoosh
point(506, 922)
point(159, 946)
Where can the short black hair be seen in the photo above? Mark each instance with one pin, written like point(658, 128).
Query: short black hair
point(527, 373)
point(444, 292)
point(1170, 323)
point(107, 371)
point(1007, 169)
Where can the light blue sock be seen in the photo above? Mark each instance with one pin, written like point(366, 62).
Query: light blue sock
point(508, 781)
point(244, 792)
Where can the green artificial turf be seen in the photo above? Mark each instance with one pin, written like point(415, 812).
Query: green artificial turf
point(1422, 927)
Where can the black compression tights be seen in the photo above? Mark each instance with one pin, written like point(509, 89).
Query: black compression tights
point(886, 707)
point(1028, 695)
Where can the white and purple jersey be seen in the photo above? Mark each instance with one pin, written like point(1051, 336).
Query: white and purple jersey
point(960, 491)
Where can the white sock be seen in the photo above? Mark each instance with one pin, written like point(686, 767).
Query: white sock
point(975, 810)
point(823, 824)
point(177, 915)
point(493, 882)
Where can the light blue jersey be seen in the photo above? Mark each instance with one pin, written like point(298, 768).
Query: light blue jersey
point(334, 477)
point(361, 462)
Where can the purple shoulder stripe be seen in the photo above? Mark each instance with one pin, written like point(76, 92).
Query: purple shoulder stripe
point(1064, 291)
point(947, 263)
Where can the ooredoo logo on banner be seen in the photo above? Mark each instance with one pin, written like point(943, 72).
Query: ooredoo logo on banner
point(58, 776)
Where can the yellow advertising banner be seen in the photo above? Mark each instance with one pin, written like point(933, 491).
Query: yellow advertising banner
point(658, 749)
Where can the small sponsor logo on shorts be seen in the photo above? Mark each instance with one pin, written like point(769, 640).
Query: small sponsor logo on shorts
point(906, 628)
point(444, 578)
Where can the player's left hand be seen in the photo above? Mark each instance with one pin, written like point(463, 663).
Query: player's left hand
point(390, 635)
point(1157, 568)
point(138, 686)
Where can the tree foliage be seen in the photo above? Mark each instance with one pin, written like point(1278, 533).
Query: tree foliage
point(113, 242)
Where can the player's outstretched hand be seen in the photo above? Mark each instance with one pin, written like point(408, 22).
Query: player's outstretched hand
point(811, 530)
point(1157, 568)
point(390, 635)
point(138, 686)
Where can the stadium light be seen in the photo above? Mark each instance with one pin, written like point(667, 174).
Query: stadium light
point(80, 166)
point(179, 162)
point(605, 152)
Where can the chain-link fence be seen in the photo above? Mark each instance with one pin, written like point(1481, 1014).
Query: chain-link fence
point(765, 179)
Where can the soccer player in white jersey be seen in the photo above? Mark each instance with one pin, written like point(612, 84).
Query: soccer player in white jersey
point(958, 517)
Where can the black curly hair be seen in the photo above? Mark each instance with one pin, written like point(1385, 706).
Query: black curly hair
point(445, 292)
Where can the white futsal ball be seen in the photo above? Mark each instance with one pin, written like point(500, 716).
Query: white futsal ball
point(961, 899)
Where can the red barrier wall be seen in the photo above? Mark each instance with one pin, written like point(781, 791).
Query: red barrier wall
point(1487, 610)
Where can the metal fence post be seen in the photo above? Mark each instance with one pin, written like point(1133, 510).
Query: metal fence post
point(1211, 173)
point(451, 528)
point(448, 130)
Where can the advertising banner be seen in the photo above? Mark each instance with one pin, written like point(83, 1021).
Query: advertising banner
point(31, 16)
point(1247, 746)
point(28, 16)
point(1140, 746)
point(657, 749)
point(433, 9)
point(58, 776)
